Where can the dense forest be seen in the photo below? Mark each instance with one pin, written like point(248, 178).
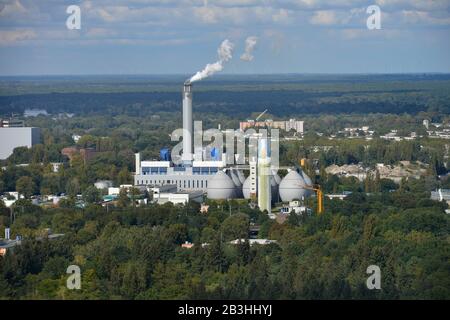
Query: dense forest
point(135, 253)
point(293, 95)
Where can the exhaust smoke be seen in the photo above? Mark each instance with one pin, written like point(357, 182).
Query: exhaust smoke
point(250, 44)
point(225, 53)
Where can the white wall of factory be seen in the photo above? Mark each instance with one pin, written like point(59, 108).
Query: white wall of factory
point(11, 137)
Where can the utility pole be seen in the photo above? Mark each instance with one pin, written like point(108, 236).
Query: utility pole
point(220, 262)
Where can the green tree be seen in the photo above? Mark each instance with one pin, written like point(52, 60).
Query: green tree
point(124, 176)
point(216, 254)
point(73, 187)
point(26, 186)
point(91, 195)
point(123, 200)
point(235, 227)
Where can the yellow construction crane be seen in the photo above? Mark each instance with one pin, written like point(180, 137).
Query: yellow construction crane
point(319, 194)
point(303, 162)
point(260, 115)
point(316, 188)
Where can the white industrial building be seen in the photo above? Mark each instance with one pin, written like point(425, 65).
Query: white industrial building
point(13, 137)
point(210, 175)
point(441, 195)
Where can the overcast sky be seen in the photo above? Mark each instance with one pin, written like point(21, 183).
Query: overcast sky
point(181, 36)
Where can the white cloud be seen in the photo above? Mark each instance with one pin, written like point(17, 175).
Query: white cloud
point(206, 14)
point(282, 16)
point(10, 37)
point(424, 5)
point(323, 17)
point(136, 20)
point(423, 17)
point(12, 8)
point(366, 34)
point(100, 32)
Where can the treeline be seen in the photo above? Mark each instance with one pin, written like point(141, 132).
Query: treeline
point(136, 253)
point(282, 103)
point(285, 96)
point(354, 151)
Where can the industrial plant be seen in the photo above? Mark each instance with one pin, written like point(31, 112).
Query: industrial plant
point(209, 173)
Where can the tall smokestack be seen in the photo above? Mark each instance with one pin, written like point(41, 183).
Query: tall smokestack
point(138, 162)
point(264, 186)
point(187, 122)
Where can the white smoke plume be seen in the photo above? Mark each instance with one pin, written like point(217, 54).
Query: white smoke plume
point(225, 53)
point(250, 44)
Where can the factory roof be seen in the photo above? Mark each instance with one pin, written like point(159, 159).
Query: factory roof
point(155, 164)
point(254, 241)
point(441, 194)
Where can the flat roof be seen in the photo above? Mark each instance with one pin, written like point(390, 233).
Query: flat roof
point(155, 164)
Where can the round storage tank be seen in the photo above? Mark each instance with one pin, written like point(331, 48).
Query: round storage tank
point(292, 187)
point(221, 187)
point(273, 187)
point(308, 182)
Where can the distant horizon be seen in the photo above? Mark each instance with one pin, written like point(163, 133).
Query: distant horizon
point(227, 75)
